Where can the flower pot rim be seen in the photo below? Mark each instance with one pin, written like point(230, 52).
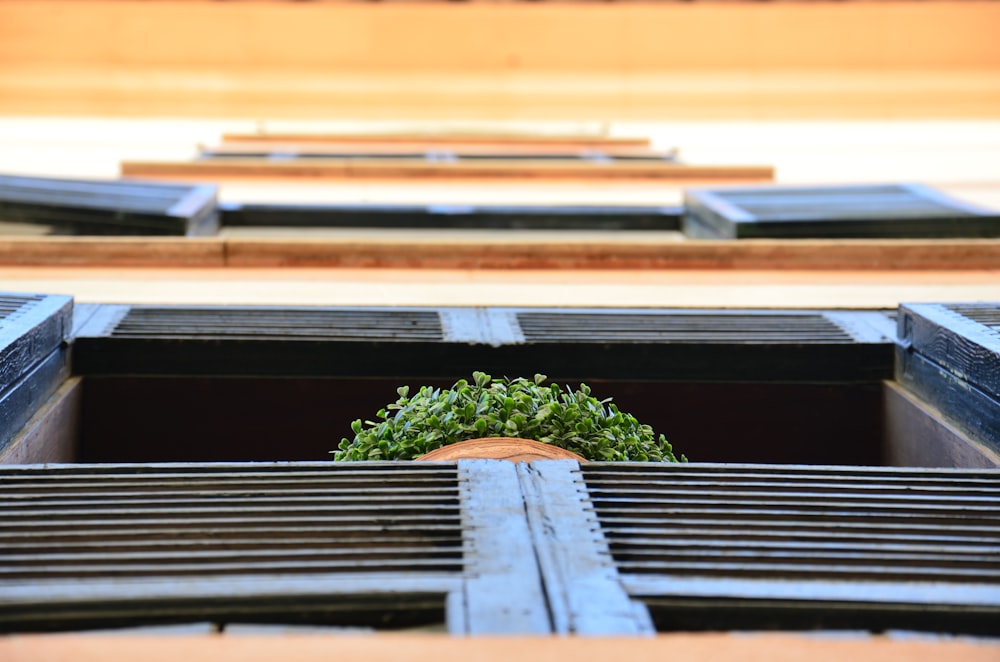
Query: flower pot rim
point(513, 449)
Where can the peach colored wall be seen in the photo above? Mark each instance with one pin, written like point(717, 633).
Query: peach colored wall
point(487, 36)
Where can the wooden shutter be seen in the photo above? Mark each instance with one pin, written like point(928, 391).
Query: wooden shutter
point(33, 358)
point(109, 207)
point(257, 340)
point(490, 547)
point(709, 345)
point(499, 169)
point(897, 210)
point(556, 217)
point(760, 547)
point(384, 545)
point(609, 343)
point(950, 358)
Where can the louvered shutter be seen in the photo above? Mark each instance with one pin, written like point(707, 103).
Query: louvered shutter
point(950, 358)
point(257, 340)
point(33, 358)
point(607, 343)
point(721, 547)
point(384, 545)
point(487, 547)
point(896, 210)
point(109, 207)
point(555, 217)
point(710, 345)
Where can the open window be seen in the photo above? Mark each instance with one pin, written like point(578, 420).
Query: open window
point(284, 383)
point(186, 491)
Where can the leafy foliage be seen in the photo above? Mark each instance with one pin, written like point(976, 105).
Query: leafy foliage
point(574, 420)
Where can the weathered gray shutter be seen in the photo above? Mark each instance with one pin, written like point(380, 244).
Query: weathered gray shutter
point(760, 547)
point(709, 345)
point(450, 342)
point(33, 358)
point(490, 547)
point(950, 357)
point(892, 210)
point(256, 340)
point(105, 207)
point(386, 545)
point(555, 217)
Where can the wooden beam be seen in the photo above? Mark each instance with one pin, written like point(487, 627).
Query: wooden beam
point(633, 253)
point(229, 169)
point(112, 251)
point(500, 250)
point(430, 648)
point(453, 141)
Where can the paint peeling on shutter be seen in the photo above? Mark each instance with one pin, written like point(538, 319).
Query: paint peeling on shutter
point(949, 356)
point(585, 592)
point(33, 362)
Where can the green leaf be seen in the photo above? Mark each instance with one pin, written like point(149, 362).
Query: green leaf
point(519, 407)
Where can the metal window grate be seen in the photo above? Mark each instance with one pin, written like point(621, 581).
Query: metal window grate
point(681, 328)
point(279, 323)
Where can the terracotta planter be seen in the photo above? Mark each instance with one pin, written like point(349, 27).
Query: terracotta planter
point(500, 448)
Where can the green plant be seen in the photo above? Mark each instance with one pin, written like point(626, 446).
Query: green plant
point(434, 417)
